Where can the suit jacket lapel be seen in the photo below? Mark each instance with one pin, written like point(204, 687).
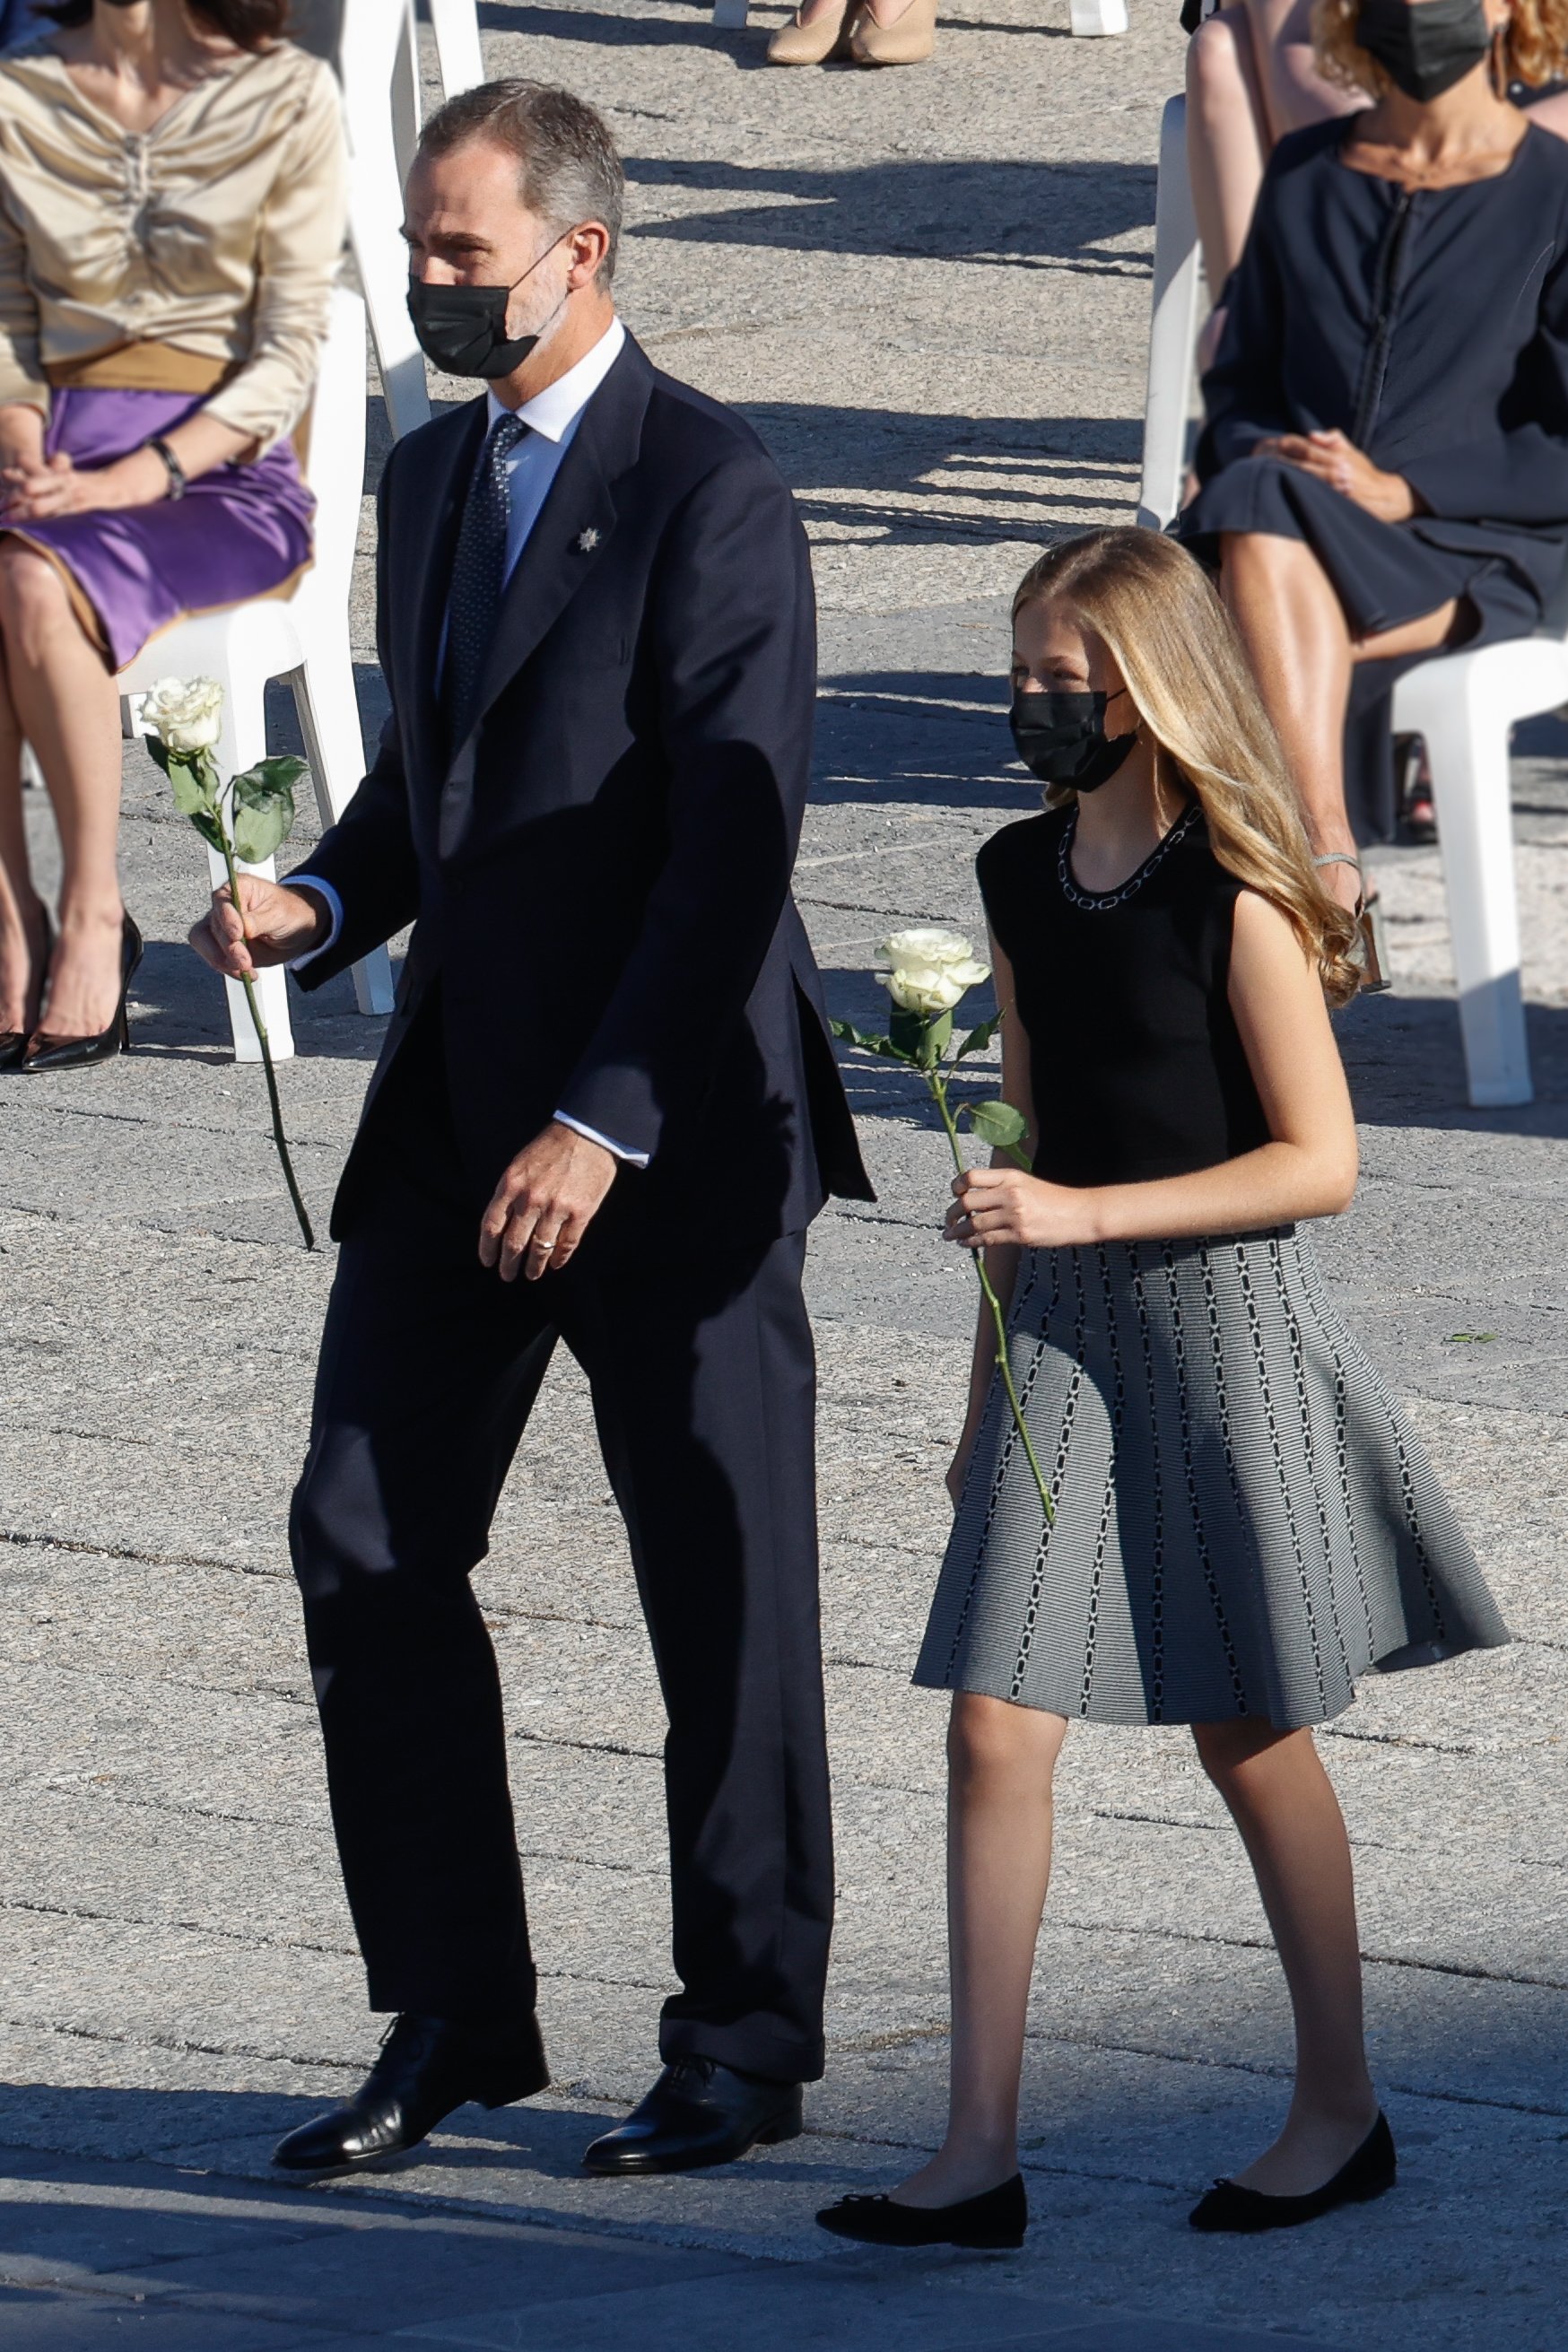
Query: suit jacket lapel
point(574, 526)
point(437, 496)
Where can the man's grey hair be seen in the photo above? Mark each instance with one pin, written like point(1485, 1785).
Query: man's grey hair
point(568, 170)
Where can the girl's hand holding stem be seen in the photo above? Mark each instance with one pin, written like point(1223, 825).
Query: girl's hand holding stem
point(1005, 1206)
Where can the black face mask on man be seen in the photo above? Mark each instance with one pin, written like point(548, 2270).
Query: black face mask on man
point(1423, 50)
point(1061, 738)
point(463, 328)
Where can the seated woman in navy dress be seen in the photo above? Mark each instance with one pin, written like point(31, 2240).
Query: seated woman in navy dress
point(1384, 469)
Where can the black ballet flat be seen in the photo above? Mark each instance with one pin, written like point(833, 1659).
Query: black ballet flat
point(1369, 2173)
point(47, 1053)
point(996, 2220)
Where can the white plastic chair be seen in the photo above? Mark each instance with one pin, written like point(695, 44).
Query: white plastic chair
point(378, 61)
point(1172, 326)
point(1464, 706)
point(302, 637)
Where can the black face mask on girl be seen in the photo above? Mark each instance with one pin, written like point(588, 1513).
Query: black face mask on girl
point(1426, 49)
point(1061, 737)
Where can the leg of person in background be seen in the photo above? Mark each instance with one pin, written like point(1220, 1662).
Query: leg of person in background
point(1001, 1761)
point(1300, 645)
point(818, 30)
point(24, 922)
point(1283, 1803)
point(1227, 146)
point(1251, 77)
point(68, 707)
point(894, 33)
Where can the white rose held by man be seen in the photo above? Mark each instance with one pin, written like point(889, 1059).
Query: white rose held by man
point(247, 819)
point(187, 712)
point(930, 970)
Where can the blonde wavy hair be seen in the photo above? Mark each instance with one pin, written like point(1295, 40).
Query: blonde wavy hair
point(1158, 615)
point(1530, 47)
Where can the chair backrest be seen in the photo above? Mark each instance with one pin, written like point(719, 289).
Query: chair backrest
point(333, 462)
point(457, 27)
point(378, 54)
point(381, 119)
point(1173, 326)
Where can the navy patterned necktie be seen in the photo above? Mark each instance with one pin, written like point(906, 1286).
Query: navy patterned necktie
point(478, 577)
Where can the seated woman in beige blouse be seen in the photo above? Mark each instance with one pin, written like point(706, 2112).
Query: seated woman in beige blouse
point(171, 209)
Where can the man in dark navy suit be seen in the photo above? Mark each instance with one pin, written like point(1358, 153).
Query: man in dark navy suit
point(606, 1112)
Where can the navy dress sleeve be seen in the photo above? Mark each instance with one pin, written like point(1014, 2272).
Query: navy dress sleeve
point(1519, 473)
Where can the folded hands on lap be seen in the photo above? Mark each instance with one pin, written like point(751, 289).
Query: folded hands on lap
point(1333, 459)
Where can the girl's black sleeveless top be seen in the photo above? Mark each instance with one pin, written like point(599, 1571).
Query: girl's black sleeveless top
point(1137, 1065)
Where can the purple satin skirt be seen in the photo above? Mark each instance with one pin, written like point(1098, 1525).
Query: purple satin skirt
point(239, 531)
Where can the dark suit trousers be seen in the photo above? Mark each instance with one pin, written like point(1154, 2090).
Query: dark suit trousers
point(703, 1383)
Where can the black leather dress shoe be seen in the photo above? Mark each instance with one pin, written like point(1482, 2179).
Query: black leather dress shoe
point(997, 2218)
point(699, 2112)
point(428, 2066)
point(1369, 2173)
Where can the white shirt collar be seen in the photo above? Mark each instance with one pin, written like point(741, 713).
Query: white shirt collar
point(560, 405)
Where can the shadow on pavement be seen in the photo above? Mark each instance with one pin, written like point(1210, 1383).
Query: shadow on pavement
point(1020, 215)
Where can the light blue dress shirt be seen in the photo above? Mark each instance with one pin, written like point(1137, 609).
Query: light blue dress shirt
point(553, 417)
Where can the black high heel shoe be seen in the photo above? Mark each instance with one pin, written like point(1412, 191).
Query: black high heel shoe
point(14, 1042)
point(1369, 2173)
point(996, 2220)
point(47, 1053)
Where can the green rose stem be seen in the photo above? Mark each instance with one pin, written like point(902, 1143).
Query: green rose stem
point(938, 1085)
point(249, 822)
point(254, 1001)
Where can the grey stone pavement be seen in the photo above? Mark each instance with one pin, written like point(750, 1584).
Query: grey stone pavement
point(930, 292)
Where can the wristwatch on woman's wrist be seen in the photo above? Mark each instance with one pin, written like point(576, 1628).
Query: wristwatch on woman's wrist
point(178, 481)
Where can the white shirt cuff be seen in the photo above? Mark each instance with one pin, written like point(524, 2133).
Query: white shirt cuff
point(334, 908)
point(606, 1142)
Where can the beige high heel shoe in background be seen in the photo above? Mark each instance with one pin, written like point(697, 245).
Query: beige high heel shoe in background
point(908, 42)
point(826, 37)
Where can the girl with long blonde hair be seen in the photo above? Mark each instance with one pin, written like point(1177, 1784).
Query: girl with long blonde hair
point(1242, 1521)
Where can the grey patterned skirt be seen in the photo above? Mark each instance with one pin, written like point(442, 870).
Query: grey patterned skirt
point(1245, 1522)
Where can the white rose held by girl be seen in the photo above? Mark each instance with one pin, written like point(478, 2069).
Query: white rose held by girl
point(926, 971)
point(929, 970)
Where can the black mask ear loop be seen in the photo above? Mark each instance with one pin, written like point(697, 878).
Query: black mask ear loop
point(538, 261)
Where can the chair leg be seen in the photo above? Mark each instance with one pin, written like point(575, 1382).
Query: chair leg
point(1173, 326)
point(329, 720)
point(729, 15)
point(1096, 16)
point(1467, 746)
point(242, 742)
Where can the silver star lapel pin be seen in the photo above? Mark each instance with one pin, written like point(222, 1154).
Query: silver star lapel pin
point(587, 541)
